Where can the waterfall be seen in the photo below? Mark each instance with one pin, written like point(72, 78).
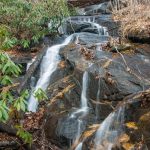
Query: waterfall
point(83, 110)
point(79, 131)
point(97, 100)
point(101, 30)
point(84, 90)
point(48, 66)
point(110, 130)
point(30, 63)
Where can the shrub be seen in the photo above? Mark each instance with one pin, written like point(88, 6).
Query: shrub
point(134, 17)
point(12, 104)
point(23, 22)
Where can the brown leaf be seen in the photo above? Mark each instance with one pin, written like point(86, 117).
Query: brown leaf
point(124, 138)
point(128, 146)
point(91, 130)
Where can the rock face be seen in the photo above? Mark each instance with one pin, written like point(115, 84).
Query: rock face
point(111, 77)
point(136, 128)
point(77, 24)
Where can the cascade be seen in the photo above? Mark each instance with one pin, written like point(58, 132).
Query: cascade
point(83, 110)
point(48, 66)
point(97, 99)
point(109, 131)
point(101, 30)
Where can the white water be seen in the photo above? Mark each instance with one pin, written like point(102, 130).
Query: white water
point(101, 30)
point(79, 131)
point(109, 131)
point(83, 110)
point(84, 90)
point(97, 100)
point(79, 147)
point(30, 63)
point(48, 66)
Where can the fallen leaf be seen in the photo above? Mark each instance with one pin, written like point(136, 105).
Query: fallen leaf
point(132, 125)
point(124, 138)
point(90, 131)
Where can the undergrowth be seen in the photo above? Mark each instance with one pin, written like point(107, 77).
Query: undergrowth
point(24, 22)
point(134, 16)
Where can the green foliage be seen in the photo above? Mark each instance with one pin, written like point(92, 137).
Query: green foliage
point(8, 70)
point(9, 103)
point(40, 94)
point(7, 66)
point(26, 136)
point(23, 22)
point(3, 111)
point(21, 103)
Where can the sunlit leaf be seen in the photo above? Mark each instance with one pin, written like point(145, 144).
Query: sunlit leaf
point(132, 125)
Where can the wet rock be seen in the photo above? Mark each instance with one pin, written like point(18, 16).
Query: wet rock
point(136, 124)
point(82, 23)
point(64, 95)
point(117, 81)
point(139, 107)
point(68, 128)
point(119, 75)
point(90, 30)
point(72, 27)
point(91, 39)
point(107, 21)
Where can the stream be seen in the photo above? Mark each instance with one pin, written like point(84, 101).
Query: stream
point(88, 111)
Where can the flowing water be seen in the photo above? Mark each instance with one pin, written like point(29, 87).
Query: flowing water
point(88, 19)
point(48, 66)
point(97, 100)
point(110, 130)
point(79, 147)
point(83, 110)
point(112, 127)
